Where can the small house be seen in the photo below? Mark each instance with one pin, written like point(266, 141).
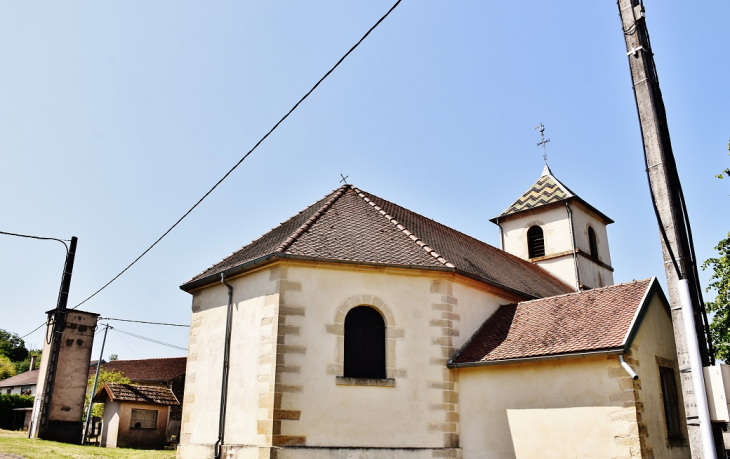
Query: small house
point(23, 383)
point(166, 372)
point(135, 416)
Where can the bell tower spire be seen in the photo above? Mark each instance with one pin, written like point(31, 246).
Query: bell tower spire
point(554, 228)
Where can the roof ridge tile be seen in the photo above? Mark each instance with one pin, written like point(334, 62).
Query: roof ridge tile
point(593, 290)
point(404, 230)
point(311, 220)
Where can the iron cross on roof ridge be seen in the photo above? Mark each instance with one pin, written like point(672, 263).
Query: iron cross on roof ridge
point(543, 141)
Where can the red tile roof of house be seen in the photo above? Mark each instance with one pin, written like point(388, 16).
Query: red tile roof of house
point(158, 395)
point(146, 370)
point(350, 225)
point(27, 378)
point(588, 321)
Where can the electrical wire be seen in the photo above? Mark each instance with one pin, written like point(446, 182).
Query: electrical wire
point(62, 241)
point(35, 330)
point(144, 322)
point(125, 342)
point(151, 340)
point(248, 153)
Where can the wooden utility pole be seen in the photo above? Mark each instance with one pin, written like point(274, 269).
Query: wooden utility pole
point(668, 201)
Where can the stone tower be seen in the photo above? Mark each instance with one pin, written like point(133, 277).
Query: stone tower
point(552, 227)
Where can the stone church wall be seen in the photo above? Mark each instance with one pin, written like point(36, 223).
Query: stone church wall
point(287, 396)
point(551, 409)
point(654, 346)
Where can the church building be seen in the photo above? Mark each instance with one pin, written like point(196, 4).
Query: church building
point(360, 329)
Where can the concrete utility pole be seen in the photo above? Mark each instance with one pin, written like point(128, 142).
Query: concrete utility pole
point(690, 330)
point(43, 399)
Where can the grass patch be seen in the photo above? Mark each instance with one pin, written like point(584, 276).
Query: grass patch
point(17, 443)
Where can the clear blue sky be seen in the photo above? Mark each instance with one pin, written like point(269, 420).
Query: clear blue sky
point(115, 117)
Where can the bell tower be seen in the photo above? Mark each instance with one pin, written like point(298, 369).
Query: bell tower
point(554, 228)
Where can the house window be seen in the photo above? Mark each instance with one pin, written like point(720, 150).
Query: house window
point(143, 419)
point(593, 243)
point(535, 242)
point(9, 390)
point(364, 344)
point(671, 402)
point(25, 391)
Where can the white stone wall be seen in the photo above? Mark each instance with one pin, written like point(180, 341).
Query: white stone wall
point(294, 313)
point(16, 390)
point(655, 346)
point(552, 409)
point(110, 425)
point(559, 260)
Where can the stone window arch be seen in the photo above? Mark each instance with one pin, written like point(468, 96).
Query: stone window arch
point(535, 242)
point(392, 334)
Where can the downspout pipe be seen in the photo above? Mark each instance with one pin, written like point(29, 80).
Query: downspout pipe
point(628, 369)
point(572, 240)
point(226, 365)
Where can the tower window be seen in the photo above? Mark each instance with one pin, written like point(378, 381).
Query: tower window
point(364, 344)
point(535, 242)
point(592, 242)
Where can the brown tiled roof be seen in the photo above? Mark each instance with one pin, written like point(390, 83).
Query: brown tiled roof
point(27, 378)
point(146, 370)
point(354, 226)
point(591, 320)
point(158, 395)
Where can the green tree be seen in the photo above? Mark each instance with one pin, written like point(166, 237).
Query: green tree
point(7, 369)
point(12, 346)
point(113, 357)
point(726, 171)
point(720, 283)
point(104, 377)
point(21, 367)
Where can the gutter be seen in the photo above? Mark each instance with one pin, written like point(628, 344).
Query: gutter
point(609, 351)
point(230, 272)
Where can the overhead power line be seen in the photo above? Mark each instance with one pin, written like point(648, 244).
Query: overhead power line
point(144, 322)
point(151, 340)
point(62, 241)
point(34, 330)
point(247, 154)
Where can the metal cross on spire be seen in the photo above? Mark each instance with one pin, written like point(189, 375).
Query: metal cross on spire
point(543, 141)
point(344, 179)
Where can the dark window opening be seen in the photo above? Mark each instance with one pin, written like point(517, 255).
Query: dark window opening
point(593, 243)
point(364, 344)
point(671, 402)
point(535, 242)
point(143, 419)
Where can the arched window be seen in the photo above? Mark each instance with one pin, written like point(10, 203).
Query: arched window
point(535, 242)
point(364, 343)
point(592, 242)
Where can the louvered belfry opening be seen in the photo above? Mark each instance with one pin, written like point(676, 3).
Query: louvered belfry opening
point(593, 243)
point(364, 343)
point(535, 242)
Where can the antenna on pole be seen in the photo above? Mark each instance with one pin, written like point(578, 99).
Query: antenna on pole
point(543, 141)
